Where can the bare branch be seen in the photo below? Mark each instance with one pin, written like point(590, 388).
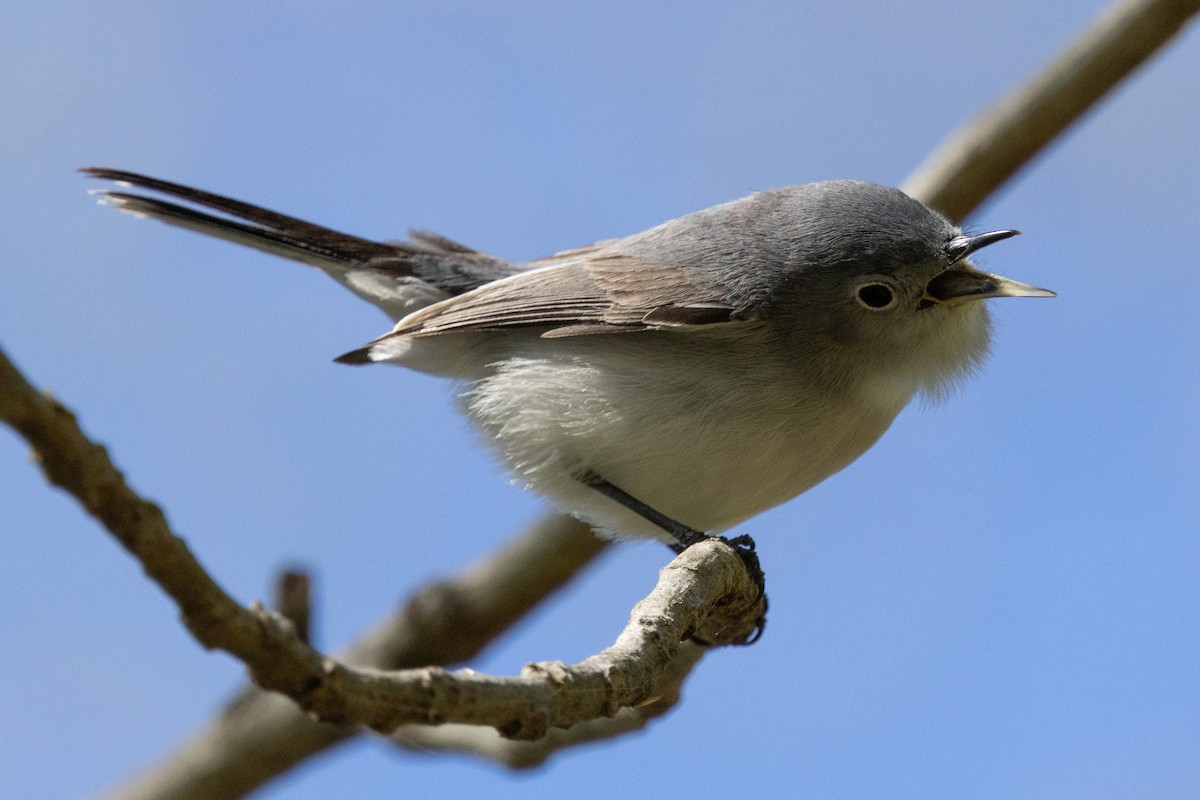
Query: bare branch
point(705, 592)
point(487, 743)
point(974, 161)
point(261, 735)
point(546, 695)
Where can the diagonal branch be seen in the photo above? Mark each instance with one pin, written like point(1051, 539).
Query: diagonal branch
point(978, 158)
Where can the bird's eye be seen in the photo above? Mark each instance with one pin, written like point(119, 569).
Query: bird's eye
point(876, 296)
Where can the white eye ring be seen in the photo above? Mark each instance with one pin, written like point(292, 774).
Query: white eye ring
point(875, 296)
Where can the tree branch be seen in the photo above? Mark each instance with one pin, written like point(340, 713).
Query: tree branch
point(486, 743)
point(261, 735)
point(974, 161)
point(705, 592)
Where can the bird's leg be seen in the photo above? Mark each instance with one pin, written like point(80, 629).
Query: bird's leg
point(686, 536)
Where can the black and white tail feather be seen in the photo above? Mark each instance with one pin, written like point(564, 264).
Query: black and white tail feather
point(397, 277)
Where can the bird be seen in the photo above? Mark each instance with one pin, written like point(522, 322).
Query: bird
point(673, 383)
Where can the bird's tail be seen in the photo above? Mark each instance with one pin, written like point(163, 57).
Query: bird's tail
point(398, 277)
point(245, 223)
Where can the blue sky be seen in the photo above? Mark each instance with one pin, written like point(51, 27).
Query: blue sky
point(999, 600)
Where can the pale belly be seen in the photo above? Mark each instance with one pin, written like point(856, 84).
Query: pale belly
point(708, 450)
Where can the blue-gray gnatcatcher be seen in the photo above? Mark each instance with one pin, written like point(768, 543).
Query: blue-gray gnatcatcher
point(679, 380)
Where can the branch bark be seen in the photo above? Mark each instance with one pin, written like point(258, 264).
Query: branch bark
point(261, 735)
point(486, 743)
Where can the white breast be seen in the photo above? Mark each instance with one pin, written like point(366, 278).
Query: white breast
point(708, 448)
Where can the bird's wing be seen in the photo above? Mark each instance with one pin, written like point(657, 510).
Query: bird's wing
point(585, 292)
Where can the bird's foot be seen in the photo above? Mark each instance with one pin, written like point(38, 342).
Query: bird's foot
point(685, 536)
point(747, 551)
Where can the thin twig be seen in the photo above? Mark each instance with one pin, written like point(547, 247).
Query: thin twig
point(293, 599)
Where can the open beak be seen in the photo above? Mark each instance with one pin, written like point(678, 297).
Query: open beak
point(960, 282)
